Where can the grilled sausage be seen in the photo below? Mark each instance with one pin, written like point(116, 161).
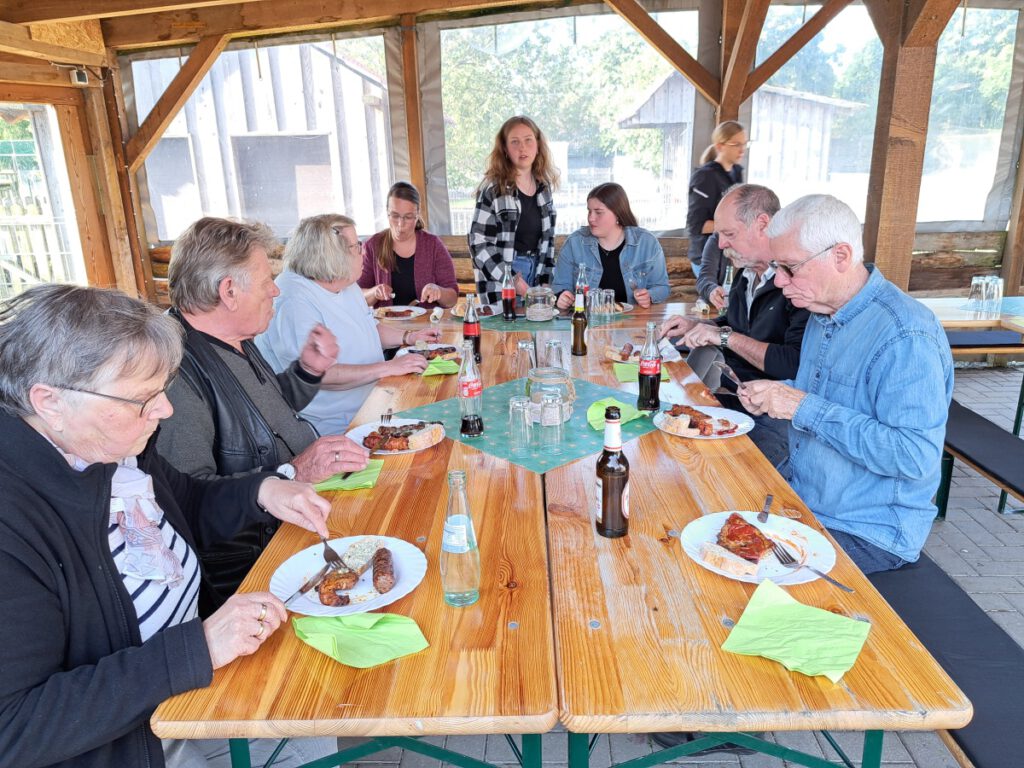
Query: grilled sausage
point(383, 570)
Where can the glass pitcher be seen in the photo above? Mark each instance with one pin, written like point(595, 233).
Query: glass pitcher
point(540, 303)
point(541, 381)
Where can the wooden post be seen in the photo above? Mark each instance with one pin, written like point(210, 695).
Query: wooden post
point(741, 57)
point(413, 121)
point(1013, 252)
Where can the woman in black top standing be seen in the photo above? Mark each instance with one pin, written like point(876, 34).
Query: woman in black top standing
point(719, 170)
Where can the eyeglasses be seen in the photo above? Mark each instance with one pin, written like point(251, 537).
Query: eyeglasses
point(145, 406)
point(355, 247)
point(790, 269)
point(744, 144)
point(397, 217)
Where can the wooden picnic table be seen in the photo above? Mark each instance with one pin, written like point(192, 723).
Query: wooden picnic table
point(625, 639)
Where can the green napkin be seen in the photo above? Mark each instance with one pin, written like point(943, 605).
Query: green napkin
point(364, 478)
point(595, 413)
point(626, 372)
point(437, 366)
point(361, 639)
point(802, 638)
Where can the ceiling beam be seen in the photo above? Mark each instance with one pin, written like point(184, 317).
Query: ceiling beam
point(17, 39)
point(638, 18)
point(37, 11)
point(741, 60)
point(926, 20)
point(18, 69)
point(173, 99)
point(828, 11)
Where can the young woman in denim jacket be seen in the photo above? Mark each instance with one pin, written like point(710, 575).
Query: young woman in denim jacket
point(613, 248)
point(514, 222)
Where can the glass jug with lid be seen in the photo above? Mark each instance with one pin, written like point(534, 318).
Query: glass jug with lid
point(540, 303)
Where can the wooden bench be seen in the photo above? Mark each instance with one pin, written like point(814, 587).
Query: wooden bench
point(985, 662)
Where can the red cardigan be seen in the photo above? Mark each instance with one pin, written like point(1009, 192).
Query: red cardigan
point(433, 265)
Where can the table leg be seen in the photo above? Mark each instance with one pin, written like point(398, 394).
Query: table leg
point(531, 750)
point(1017, 417)
point(872, 757)
point(579, 750)
point(239, 753)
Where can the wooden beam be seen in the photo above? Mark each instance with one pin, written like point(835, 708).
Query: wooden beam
point(16, 39)
point(742, 58)
point(886, 16)
point(926, 20)
point(173, 99)
point(638, 18)
point(793, 45)
point(732, 15)
point(1013, 252)
point(34, 11)
point(47, 94)
point(413, 121)
point(18, 69)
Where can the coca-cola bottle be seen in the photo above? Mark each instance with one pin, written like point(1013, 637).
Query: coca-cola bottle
point(471, 389)
point(649, 376)
point(508, 295)
point(611, 494)
point(471, 326)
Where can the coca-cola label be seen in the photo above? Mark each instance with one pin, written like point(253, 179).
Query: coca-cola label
point(456, 534)
point(508, 293)
point(470, 387)
point(471, 329)
point(650, 367)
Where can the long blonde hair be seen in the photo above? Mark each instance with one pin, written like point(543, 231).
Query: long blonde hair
point(403, 190)
point(500, 170)
point(722, 133)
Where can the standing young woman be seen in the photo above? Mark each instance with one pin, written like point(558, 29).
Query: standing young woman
point(514, 221)
point(405, 263)
point(719, 170)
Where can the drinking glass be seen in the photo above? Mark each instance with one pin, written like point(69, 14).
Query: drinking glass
point(525, 359)
point(993, 293)
point(551, 423)
point(608, 300)
point(638, 278)
point(520, 425)
point(976, 298)
point(554, 354)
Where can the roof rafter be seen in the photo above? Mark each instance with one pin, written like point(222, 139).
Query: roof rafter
point(42, 11)
point(17, 39)
point(742, 58)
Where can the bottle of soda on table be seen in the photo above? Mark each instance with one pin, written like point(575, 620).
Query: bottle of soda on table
point(611, 494)
point(579, 326)
point(508, 295)
point(471, 326)
point(460, 558)
point(649, 375)
point(471, 389)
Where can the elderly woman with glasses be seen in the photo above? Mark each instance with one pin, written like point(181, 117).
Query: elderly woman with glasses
point(99, 577)
point(318, 286)
point(405, 264)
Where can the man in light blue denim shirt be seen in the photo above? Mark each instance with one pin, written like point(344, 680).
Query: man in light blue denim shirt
point(869, 403)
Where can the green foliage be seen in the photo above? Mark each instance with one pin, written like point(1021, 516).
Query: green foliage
point(19, 129)
point(812, 69)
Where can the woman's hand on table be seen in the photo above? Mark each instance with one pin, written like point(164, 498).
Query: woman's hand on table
point(566, 300)
point(431, 293)
point(429, 335)
point(676, 326)
point(319, 352)
point(241, 625)
point(377, 294)
point(774, 398)
point(296, 503)
point(328, 456)
point(406, 364)
point(642, 297)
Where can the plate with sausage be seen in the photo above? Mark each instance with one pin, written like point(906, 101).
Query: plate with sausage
point(735, 545)
point(704, 423)
point(378, 571)
point(398, 436)
point(399, 313)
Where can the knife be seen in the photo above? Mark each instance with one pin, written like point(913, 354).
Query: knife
point(762, 516)
point(729, 373)
point(310, 584)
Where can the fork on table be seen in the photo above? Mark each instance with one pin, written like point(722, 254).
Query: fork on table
point(788, 561)
point(331, 557)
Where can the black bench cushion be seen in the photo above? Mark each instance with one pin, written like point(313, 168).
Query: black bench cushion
point(997, 450)
point(982, 659)
point(983, 339)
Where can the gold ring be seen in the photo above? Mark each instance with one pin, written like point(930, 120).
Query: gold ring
point(263, 613)
point(260, 632)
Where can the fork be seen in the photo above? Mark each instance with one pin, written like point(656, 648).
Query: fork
point(331, 557)
point(786, 560)
point(385, 418)
point(729, 373)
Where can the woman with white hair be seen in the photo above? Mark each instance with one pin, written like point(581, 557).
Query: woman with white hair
point(99, 577)
point(323, 261)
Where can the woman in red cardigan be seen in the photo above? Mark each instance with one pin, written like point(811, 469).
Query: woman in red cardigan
point(405, 263)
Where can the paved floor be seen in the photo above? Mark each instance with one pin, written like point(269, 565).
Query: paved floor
point(982, 550)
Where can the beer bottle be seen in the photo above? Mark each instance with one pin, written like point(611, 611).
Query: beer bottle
point(471, 325)
point(579, 327)
point(470, 388)
point(508, 295)
point(726, 289)
point(581, 284)
point(649, 376)
point(611, 495)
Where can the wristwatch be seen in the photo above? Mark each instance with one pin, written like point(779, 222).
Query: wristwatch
point(287, 470)
point(723, 336)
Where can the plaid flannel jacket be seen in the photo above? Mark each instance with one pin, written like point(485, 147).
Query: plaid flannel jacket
point(492, 237)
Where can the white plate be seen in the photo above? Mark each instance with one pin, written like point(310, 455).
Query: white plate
point(495, 311)
point(380, 312)
point(410, 568)
point(805, 544)
point(625, 308)
point(358, 433)
point(744, 422)
point(408, 350)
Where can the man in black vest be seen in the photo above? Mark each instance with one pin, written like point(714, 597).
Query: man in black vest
point(232, 414)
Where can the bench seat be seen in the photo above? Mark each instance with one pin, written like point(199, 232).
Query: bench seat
point(991, 450)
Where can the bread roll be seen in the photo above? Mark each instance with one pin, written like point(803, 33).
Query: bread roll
point(724, 560)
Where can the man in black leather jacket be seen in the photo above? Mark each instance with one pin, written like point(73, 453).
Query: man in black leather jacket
point(232, 414)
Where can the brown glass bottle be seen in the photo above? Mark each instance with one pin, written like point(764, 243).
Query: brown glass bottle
point(611, 492)
point(579, 327)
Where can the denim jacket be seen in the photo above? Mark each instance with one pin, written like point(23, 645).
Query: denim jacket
point(866, 442)
point(641, 248)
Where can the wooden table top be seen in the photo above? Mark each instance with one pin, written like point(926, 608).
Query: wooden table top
point(951, 313)
point(654, 660)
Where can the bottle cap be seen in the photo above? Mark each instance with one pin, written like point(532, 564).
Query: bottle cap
point(611, 413)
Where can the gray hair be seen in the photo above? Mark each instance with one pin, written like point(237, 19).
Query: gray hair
point(752, 200)
point(316, 250)
point(821, 221)
point(67, 335)
point(209, 251)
